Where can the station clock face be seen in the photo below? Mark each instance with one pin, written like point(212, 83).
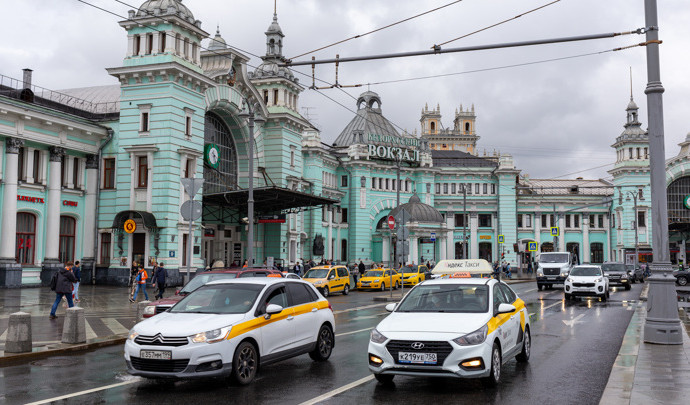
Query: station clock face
point(212, 155)
point(686, 201)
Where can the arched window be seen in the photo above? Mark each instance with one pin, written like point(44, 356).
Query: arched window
point(467, 127)
point(223, 178)
point(383, 223)
point(271, 47)
point(596, 250)
point(433, 127)
point(676, 192)
point(26, 238)
point(67, 236)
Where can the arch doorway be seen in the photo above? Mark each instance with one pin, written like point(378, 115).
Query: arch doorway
point(485, 251)
point(574, 249)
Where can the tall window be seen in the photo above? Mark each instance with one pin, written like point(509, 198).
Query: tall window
point(343, 181)
point(163, 37)
point(21, 162)
point(109, 173)
point(460, 220)
point(106, 240)
point(484, 220)
point(641, 223)
point(266, 96)
point(601, 221)
point(144, 122)
point(275, 97)
point(188, 126)
point(476, 188)
point(485, 188)
point(26, 238)
point(142, 172)
point(149, 44)
point(137, 44)
point(37, 166)
point(596, 250)
point(67, 236)
point(75, 173)
point(343, 216)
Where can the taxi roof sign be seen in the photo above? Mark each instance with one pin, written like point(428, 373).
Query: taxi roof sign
point(463, 268)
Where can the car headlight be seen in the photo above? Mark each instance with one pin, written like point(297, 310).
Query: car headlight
point(377, 337)
point(474, 338)
point(606, 274)
point(212, 336)
point(150, 310)
point(132, 334)
point(568, 280)
point(599, 280)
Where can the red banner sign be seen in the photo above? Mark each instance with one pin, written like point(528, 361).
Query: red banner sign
point(30, 199)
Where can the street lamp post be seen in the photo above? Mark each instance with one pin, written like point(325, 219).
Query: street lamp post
point(634, 196)
point(662, 325)
point(248, 114)
point(465, 218)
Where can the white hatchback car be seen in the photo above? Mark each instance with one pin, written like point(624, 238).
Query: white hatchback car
point(452, 327)
point(586, 281)
point(229, 327)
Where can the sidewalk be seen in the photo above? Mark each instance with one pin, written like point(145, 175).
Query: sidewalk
point(108, 317)
point(646, 373)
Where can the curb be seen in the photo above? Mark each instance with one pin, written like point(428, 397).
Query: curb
point(12, 359)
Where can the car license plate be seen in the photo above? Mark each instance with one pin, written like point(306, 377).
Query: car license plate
point(550, 278)
point(155, 354)
point(417, 358)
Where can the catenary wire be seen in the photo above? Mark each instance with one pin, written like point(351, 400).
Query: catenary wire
point(379, 29)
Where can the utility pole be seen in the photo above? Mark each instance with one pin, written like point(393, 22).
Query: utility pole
point(662, 325)
point(248, 114)
point(634, 195)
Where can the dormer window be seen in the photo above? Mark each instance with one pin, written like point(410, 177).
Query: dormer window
point(433, 127)
point(275, 96)
point(467, 127)
point(266, 96)
point(137, 45)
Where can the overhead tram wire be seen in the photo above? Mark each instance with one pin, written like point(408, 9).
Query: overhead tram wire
point(218, 54)
point(379, 29)
point(495, 25)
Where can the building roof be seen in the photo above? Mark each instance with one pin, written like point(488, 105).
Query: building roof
point(419, 212)
point(566, 187)
point(217, 43)
point(456, 158)
point(96, 94)
point(165, 7)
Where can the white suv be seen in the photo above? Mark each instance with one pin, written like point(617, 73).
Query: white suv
point(586, 281)
point(229, 327)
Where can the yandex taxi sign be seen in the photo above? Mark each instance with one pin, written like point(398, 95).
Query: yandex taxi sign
point(463, 268)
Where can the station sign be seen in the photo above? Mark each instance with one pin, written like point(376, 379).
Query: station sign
point(271, 219)
point(401, 148)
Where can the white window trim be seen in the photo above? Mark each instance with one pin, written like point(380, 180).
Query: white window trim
point(144, 108)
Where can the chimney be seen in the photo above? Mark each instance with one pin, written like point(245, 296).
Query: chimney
point(27, 79)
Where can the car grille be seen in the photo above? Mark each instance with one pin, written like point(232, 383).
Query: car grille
point(162, 366)
point(551, 272)
point(161, 308)
point(159, 340)
point(442, 349)
point(583, 284)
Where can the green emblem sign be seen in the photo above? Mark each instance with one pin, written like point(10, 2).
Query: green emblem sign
point(686, 201)
point(212, 155)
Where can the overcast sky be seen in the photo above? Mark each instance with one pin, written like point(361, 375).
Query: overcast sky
point(556, 118)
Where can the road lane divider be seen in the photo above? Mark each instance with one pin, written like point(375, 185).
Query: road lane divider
point(360, 308)
point(353, 332)
point(337, 391)
point(76, 394)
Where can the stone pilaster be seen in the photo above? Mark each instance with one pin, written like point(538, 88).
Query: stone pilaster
point(10, 271)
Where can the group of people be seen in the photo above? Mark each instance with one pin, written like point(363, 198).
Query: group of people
point(503, 267)
point(139, 277)
point(67, 285)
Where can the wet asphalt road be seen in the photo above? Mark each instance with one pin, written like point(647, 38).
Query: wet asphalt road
point(574, 347)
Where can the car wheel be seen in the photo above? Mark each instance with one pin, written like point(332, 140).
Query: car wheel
point(384, 378)
point(682, 281)
point(346, 290)
point(383, 286)
point(324, 345)
point(244, 363)
point(568, 297)
point(495, 374)
point(325, 292)
point(627, 287)
point(397, 285)
point(523, 356)
point(539, 287)
point(603, 297)
point(632, 280)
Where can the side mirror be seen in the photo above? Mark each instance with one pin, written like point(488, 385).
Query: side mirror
point(331, 277)
point(505, 309)
point(273, 309)
point(391, 307)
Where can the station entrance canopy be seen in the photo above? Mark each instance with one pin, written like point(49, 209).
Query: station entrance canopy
point(267, 200)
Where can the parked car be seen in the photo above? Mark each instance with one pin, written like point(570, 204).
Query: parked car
point(329, 279)
point(162, 305)
point(682, 277)
point(635, 273)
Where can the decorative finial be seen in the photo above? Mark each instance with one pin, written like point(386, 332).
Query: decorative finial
point(275, 7)
point(631, 85)
point(217, 29)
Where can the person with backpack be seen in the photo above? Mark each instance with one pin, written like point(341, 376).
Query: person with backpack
point(61, 283)
point(158, 278)
point(77, 273)
point(140, 281)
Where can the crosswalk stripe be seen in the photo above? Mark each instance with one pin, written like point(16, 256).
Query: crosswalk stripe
point(90, 334)
point(115, 326)
point(3, 337)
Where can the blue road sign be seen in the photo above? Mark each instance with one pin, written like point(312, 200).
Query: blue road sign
point(532, 246)
point(554, 231)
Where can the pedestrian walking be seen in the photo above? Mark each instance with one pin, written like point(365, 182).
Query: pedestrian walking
point(140, 281)
point(77, 273)
point(529, 267)
point(159, 276)
point(63, 287)
point(356, 271)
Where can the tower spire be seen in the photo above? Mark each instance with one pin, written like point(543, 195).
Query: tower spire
point(275, 6)
point(631, 85)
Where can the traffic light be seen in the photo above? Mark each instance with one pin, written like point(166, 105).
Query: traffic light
point(503, 255)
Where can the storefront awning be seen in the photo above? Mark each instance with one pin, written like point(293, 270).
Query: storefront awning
point(147, 217)
point(266, 199)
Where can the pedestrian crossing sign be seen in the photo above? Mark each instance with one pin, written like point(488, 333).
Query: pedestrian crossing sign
point(532, 246)
point(554, 231)
point(500, 238)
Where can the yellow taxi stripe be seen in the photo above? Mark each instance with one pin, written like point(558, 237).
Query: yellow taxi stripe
point(499, 320)
point(250, 325)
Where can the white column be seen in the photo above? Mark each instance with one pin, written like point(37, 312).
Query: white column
point(155, 46)
point(450, 246)
point(443, 247)
point(44, 167)
point(29, 174)
point(413, 255)
point(52, 233)
point(149, 181)
point(385, 249)
point(87, 238)
point(133, 179)
point(584, 252)
point(338, 245)
point(130, 45)
point(329, 241)
point(9, 204)
point(561, 231)
point(537, 228)
point(607, 233)
point(473, 243)
point(69, 171)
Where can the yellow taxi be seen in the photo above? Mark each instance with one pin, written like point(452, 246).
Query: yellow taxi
point(379, 279)
point(413, 275)
point(329, 279)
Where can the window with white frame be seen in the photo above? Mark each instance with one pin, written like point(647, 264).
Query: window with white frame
point(144, 118)
point(485, 188)
point(445, 188)
point(438, 188)
point(476, 188)
point(641, 219)
point(453, 188)
point(493, 188)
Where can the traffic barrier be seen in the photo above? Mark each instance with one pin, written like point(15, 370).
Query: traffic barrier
point(19, 333)
point(140, 310)
point(74, 329)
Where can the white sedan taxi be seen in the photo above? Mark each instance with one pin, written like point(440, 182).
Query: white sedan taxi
point(230, 327)
point(466, 326)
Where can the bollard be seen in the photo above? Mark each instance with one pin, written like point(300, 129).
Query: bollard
point(19, 333)
point(140, 310)
point(74, 329)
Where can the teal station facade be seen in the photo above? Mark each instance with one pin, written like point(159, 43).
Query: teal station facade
point(93, 173)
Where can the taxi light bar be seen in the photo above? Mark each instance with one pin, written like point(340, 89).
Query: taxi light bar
point(474, 268)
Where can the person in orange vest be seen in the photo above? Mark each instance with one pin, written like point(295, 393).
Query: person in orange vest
point(141, 284)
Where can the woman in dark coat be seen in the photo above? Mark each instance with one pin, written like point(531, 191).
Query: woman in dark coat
point(65, 278)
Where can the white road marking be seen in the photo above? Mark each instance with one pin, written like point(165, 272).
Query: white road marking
point(553, 305)
point(3, 337)
point(337, 391)
point(76, 394)
point(360, 308)
point(90, 334)
point(529, 291)
point(354, 331)
point(574, 320)
point(115, 326)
